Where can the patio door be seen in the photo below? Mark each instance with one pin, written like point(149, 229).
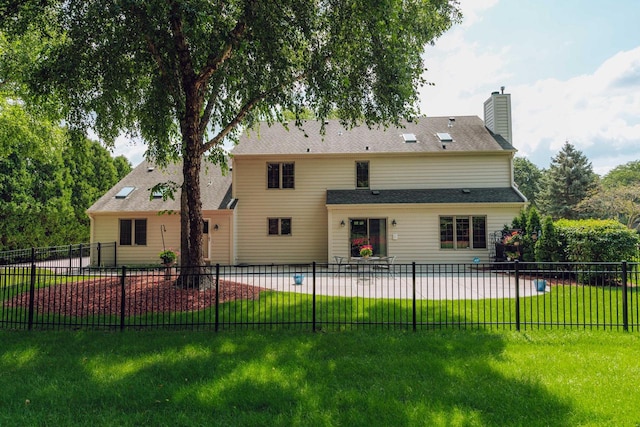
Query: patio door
point(372, 231)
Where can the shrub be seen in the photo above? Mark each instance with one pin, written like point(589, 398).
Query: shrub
point(548, 246)
point(596, 241)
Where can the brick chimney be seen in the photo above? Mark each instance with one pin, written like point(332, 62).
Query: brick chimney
point(497, 114)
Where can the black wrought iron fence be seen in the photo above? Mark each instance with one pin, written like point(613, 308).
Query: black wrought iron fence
point(71, 257)
point(324, 297)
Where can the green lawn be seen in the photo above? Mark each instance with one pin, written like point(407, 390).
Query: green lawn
point(352, 378)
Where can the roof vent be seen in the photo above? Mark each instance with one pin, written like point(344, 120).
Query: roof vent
point(150, 169)
point(375, 192)
point(452, 120)
point(466, 191)
point(409, 137)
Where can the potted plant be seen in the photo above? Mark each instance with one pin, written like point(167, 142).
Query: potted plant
point(366, 251)
point(168, 256)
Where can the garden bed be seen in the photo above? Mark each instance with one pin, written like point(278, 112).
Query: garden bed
point(143, 294)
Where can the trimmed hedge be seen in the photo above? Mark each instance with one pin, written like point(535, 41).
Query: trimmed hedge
point(595, 240)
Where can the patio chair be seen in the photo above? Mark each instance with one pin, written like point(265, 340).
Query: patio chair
point(340, 261)
point(387, 263)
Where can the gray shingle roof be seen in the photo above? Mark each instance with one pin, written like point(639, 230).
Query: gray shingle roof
point(468, 134)
point(448, 195)
point(216, 190)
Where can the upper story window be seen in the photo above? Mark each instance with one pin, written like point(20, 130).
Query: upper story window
point(280, 175)
point(362, 174)
point(133, 231)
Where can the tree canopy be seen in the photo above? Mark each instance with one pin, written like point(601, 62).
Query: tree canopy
point(188, 75)
point(527, 177)
point(622, 175)
point(47, 183)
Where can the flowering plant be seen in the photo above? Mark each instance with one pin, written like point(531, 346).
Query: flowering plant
point(168, 256)
point(366, 250)
point(513, 239)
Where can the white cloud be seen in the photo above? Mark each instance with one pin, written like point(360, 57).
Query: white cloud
point(463, 73)
point(471, 10)
point(131, 149)
point(598, 113)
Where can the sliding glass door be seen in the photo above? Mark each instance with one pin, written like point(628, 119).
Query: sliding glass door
point(368, 231)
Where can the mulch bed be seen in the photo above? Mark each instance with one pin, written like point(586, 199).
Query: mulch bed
point(143, 294)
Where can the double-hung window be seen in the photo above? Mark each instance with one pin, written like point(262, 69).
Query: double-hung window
point(279, 226)
point(463, 232)
point(133, 232)
point(280, 175)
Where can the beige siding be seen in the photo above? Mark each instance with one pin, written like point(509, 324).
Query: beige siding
point(163, 231)
point(221, 239)
point(416, 237)
point(316, 233)
point(305, 205)
point(439, 172)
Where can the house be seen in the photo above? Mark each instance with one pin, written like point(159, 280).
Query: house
point(433, 190)
point(142, 224)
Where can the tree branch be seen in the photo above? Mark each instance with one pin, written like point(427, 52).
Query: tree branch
point(181, 44)
point(246, 108)
point(214, 62)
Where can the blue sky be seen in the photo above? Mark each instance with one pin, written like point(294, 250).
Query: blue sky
point(572, 68)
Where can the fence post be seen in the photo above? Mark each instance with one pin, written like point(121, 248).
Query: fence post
point(313, 299)
point(413, 302)
point(70, 258)
point(517, 270)
point(99, 255)
point(122, 296)
point(33, 255)
point(217, 306)
point(32, 295)
point(625, 307)
point(81, 254)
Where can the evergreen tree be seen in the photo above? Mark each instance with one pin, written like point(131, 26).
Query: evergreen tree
point(569, 180)
point(548, 247)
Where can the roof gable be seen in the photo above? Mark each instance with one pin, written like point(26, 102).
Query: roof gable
point(215, 194)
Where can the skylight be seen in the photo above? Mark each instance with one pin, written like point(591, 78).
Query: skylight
point(122, 194)
point(444, 137)
point(409, 137)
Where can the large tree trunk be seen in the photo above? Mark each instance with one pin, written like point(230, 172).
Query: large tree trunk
point(193, 271)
